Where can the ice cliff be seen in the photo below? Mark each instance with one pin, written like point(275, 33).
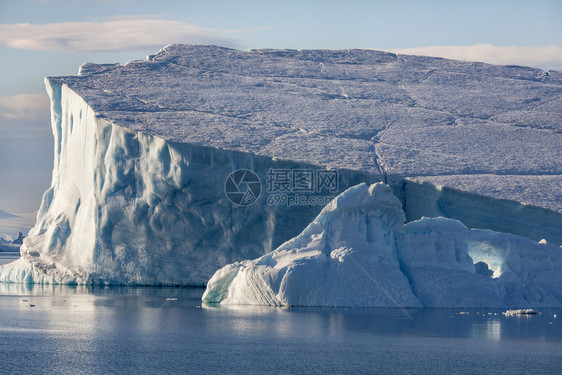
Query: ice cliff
point(359, 253)
point(143, 150)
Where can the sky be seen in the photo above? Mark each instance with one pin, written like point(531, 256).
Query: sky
point(50, 38)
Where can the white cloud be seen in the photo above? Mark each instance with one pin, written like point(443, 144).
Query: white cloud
point(25, 106)
point(546, 57)
point(113, 35)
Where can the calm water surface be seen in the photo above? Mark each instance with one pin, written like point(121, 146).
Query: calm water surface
point(7, 257)
point(72, 330)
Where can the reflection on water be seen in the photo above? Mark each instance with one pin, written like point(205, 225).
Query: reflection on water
point(110, 329)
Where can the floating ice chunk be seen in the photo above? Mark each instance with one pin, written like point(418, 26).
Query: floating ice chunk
point(345, 257)
point(517, 312)
point(358, 252)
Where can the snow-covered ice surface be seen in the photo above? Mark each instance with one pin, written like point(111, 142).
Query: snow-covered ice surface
point(356, 109)
point(359, 253)
point(142, 152)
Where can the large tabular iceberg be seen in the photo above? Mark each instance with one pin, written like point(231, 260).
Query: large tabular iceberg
point(143, 150)
point(358, 252)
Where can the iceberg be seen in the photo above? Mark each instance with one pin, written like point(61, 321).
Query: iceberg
point(346, 257)
point(143, 153)
point(359, 252)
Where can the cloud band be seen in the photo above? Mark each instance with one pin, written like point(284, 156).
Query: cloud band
point(546, 57)
point(114, 35)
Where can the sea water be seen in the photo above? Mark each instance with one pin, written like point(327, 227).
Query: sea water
point(71, 330)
